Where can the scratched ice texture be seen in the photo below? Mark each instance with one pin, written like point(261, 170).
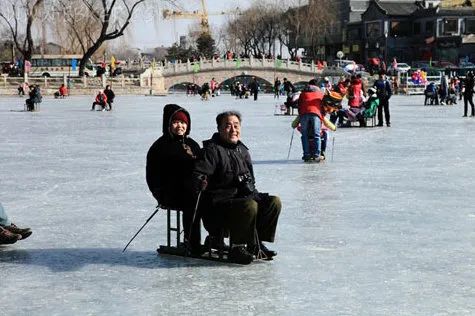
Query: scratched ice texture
point(385, 226)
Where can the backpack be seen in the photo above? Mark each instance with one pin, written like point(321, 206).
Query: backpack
point(381, 90)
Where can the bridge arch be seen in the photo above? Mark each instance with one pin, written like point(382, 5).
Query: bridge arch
point(162, 78)
point(223, 75)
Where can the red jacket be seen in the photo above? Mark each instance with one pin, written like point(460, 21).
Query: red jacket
point(63, 90)
point(98, 98)
point(355, 94)
point(311, 102)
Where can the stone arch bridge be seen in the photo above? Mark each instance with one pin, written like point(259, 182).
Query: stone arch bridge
point(161, 78)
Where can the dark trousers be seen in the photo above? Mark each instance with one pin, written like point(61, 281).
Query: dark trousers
point(468, 98)
point(103, 105)
point(383, 105)
point(30, 106)
point(431, 99)
point(243, 217)
point(255, 95)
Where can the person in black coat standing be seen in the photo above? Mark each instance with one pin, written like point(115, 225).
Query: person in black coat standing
point(254, 86)
point(110, 96)
point(467, 89)
point(384, 92)
point(170, 161)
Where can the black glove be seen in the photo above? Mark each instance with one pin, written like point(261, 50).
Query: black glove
point(204, 183)
point(200, 182)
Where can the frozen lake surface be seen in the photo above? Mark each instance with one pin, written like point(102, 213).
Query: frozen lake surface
point(386, 227)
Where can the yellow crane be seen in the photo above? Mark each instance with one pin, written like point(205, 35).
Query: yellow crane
point(454, 3)
point(197, 14)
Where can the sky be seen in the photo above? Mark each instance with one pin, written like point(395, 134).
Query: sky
point(148, 32)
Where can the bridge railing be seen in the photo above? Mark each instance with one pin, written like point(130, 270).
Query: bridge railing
point(72, 82)
point(202, 65)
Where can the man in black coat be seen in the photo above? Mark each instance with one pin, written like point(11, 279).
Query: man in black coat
point(110, 96)
point(468, 85)
point(229, 199)
point(170, 162)
point(384, 92)
point(254, 87)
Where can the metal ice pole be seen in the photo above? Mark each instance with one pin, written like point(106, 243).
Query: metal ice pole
point(156, 210)
point(333, 146)
point(291, 139)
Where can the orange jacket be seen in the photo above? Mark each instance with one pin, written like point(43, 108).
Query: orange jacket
point(311, 102)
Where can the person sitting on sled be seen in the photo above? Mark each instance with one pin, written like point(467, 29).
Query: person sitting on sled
point(229, 199)
point(101, 99)
point(170, 162)
point(62, 92)
point(430, 94)
point(312, 113)
point(35, 97)
point(292, 102)
point(369, 107)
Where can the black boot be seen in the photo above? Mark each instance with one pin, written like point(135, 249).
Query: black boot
point(240, 255)
point(268, 254)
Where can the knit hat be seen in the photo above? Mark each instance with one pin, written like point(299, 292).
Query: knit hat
point(180, 116)
point(333, 99)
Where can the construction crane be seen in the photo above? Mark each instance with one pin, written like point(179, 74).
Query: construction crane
point(197, 14)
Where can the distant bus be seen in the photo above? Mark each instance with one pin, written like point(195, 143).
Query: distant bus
point(58, 65)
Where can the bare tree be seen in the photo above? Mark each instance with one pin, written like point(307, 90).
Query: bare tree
point(74, 26)
point(267, 28)
point(258, 28)
point(291, 28)
point(19, 16)
point(321, 26)
point(242, 31)
point(105, 20)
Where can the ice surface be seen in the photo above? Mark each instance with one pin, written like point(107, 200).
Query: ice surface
point(386, 227)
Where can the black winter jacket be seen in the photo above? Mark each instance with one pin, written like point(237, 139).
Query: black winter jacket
point(110, 95)
point(228, 169)
point(170, 161)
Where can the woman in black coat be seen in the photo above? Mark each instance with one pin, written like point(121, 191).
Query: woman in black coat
point(170, 161)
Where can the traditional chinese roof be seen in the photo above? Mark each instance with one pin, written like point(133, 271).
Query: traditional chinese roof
point(397, 8)
point(459, 11)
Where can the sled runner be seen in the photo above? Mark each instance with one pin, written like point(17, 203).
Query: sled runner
point(212, 249)
point(176, 244)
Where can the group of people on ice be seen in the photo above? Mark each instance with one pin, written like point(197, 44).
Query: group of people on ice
point(104, 99)
point(363, 103)
point(450, 90)
point(244, 90)
point(315, 102)
point(214, 184)
point(212, 88)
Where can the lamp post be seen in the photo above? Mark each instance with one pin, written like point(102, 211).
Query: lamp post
point(386, 48)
